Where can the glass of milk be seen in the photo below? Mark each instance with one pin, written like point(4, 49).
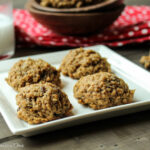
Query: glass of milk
point(7, 42)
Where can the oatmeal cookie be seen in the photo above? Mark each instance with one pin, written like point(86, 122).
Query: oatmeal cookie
point(102, 90)
point(38, 103)
point(67, 3)
point(145, 60)
point(29, 71)
point(80, 62)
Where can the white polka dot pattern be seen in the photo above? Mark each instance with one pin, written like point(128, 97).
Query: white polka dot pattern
point(131, 33)
point(133, 26)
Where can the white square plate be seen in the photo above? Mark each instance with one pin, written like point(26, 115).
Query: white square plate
point(136, 77)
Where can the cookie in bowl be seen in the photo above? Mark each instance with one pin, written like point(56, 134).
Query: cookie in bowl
point(39, 103)
point(67, 3)
point(75, 21)
point(30, 71)
point(102, 90)
point(79, 62)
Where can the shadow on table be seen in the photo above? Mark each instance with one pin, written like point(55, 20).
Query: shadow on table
point(118, 127)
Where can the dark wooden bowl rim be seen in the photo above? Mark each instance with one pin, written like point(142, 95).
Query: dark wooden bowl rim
point(29, 7)
point(102, 4)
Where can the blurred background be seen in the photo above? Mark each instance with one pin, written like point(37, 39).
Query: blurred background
point(132, 52)
point(19, 3)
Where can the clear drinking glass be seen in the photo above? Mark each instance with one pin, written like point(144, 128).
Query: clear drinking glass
point(7, 39)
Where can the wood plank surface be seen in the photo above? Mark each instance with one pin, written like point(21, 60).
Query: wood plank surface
point(130, 132)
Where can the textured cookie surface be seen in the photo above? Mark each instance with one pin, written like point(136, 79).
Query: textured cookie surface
point(80, 62)
point(102, 90)
point(29, 71)
point(67, 3)
point(40, 103)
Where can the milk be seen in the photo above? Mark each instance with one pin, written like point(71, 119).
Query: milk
point(6, 35)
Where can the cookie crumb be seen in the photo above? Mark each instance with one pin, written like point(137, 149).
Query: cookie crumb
point(145, 60)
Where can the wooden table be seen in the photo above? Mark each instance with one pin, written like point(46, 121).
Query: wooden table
point(130, 132)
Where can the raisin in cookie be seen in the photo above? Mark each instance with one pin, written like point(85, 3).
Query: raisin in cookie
point(80, 62)
point(102, 90)
point(29, 71)
point(38, 103)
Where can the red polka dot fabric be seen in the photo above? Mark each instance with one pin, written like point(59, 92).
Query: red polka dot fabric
point(133, 26)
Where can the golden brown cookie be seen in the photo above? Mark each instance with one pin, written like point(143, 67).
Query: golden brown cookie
point(102, 90)
point(67, 3)
point(78, 63)
point(29, 71)
point(40, 103)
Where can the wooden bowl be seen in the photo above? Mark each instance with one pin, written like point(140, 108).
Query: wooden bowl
point(103, 4)
point(75, 23)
